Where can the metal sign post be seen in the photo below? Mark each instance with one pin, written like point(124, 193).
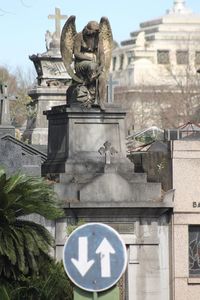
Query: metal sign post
point(111, 294)
point(95, 258)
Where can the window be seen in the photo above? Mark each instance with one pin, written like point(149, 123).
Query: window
point(182, 57)
point(163, 57)
point(121, 61)
point(197, 58)
point(194, 251)
point(114, 63)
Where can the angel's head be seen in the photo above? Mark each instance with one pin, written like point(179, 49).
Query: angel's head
point(91, 28)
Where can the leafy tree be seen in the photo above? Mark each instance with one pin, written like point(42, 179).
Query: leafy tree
point(4, 294)
point(52, 285)
point(27, 271)
point(9, 79)
point(24, 244)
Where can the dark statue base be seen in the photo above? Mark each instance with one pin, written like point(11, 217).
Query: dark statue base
point(76, 135)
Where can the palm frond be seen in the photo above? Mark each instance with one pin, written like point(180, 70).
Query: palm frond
point(8, 247)
point(14, 181)
point(24, 243)
point(4, 293)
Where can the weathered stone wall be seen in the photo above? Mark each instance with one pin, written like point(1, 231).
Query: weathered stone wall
point(147, 241)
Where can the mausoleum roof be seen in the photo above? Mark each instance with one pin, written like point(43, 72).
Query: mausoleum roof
point(179, 19)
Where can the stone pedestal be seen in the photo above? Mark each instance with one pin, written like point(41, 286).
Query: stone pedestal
point(76, 135)
point(43, 98)
point(52, 83)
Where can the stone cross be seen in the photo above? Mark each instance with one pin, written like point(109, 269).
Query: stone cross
point(108, 151)
point(4, 105)
point(110, 88)
point(58, 17)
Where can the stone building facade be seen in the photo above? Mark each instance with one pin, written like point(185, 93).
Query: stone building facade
point(157, 64)
point(186, 219)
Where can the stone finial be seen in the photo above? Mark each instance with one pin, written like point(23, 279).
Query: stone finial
point(179, 7)
point(108, 151)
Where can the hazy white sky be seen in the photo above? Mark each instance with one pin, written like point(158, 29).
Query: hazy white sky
point(23, 23)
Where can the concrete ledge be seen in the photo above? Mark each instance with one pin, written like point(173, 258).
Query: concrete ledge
point(125, 210)
point(135, 204)
point(181, 145)
point(186, 154)
point(195, 280)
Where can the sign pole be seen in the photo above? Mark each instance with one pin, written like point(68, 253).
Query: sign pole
point(95, 296)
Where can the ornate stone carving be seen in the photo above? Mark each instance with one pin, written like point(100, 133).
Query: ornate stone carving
point(108, 151)
point(163, 57)
point(54, 68)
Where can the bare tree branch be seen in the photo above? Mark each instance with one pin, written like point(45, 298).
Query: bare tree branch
point(4, 12)
point(25, 4)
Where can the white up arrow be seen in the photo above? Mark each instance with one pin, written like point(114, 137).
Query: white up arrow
point(105, 249)
point(82, 264)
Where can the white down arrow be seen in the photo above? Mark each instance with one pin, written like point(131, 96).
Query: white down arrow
point(82, 264)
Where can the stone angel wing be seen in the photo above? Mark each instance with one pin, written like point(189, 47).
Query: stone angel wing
point(107, 40)
point(67, 45)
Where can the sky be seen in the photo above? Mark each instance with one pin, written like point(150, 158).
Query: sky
point(23, 23)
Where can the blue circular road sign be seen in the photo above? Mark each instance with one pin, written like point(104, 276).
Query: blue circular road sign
point(94, 257)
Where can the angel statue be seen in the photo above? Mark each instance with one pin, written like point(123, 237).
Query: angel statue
point(90, 50)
